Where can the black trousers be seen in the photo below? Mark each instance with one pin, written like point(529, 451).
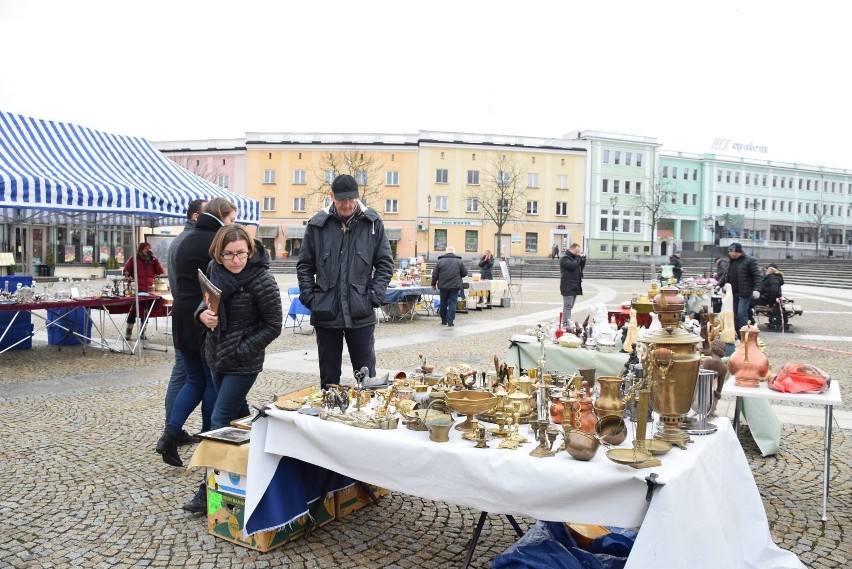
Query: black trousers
point(362, 353)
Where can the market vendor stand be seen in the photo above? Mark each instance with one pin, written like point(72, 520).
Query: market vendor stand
point(828, 400)
point(733, 531)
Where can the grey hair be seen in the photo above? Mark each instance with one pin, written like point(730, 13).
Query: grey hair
point(451, 249)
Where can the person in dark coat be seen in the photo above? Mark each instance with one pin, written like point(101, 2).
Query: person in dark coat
point(448, 277)
point(486, 264)
point(146, 267)
point(344, 267)
point(248, 319)
point(743, 275)
point(770, 295)
point(178, 376)
point(192, 254)
point(571, 283)
point(677, 268)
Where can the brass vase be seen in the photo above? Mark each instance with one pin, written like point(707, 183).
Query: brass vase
point(671, 366)
point(609, 401)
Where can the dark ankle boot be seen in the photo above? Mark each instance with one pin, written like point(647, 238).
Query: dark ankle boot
point(198, 504)
point(167, 447)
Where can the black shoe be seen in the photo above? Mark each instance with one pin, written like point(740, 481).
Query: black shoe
point(167, 447)
point(198, 504)
point(451, 325)
point(185, 438)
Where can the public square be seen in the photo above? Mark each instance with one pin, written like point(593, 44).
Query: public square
point(84, 487)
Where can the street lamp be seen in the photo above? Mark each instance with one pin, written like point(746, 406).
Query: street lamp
point(428, 223)
point(753, 224)
point(613, 202)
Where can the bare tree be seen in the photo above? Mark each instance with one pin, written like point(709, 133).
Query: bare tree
point(501, 195)
point(363, 166)
point(656, 199)
point(819, 220)
point(200, 166)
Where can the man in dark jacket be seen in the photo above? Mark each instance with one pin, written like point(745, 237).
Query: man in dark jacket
point(571, 283)
point(344, 268)
point(178, 377)
point(743, 275)
point(677, 268)
point(447, 277)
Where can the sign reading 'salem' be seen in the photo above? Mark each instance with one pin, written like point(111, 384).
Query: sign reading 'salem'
point(727, 145)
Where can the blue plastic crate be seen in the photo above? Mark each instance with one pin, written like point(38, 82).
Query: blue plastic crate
point(17, 333)
point(75, 319)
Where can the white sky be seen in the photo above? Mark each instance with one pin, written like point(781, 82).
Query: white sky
point(772, 73)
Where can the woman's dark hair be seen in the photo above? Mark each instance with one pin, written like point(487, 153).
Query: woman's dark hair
point(228, 234)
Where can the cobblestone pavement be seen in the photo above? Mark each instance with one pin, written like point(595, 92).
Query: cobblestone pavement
point(84, 488)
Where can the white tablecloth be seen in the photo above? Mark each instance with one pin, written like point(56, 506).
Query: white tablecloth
point(709, 513)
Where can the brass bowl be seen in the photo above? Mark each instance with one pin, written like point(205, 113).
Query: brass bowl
point(580, 445)
point(471, 402)
point(611, 429)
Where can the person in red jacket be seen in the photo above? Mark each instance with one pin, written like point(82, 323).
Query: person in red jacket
point(147, 268)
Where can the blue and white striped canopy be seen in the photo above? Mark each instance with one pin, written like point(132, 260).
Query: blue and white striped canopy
point(52, 171)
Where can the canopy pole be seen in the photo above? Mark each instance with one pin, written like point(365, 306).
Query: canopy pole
point(136, 286)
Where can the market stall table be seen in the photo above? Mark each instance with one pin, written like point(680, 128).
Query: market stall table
point(731, 529)
point(565, 360)
point(55, 314)
point(401, 302)
point(828, 399)
point(488, 293)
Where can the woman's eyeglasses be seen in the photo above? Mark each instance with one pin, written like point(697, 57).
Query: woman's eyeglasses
point(241, 255)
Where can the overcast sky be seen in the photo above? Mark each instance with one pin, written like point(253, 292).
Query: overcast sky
point(771, 73)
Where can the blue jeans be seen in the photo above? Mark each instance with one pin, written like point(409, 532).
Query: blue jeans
point(362, 352)
point(231, 395)
point(176, 383)
point(449, 300)
point(742, 313)
point(198, 388)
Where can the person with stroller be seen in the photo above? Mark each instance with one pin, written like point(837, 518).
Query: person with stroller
point(770, 295)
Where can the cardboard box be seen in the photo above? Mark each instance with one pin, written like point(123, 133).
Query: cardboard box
point(226, 482)
point(353, 498)
point(225, 519)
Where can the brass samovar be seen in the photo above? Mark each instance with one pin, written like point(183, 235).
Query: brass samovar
point(671, 364)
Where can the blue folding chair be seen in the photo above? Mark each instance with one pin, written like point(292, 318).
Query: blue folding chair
point(297, 312)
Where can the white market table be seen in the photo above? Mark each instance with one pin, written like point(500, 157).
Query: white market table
point(828, 399)
point(554, 489)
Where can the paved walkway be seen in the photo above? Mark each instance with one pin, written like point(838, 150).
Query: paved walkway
point(83, 487)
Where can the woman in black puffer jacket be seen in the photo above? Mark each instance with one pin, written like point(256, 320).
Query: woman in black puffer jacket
point(248, 320)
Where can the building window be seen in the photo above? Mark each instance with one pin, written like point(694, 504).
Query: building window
point(639, 159)
point(471, 241)
point(718, 201)
point(638, 188)
point(727, 176)
point(299, 177)
point(748, 179)
point(685, 199)
point(606, 156)
point(329, 176)
point(442, 203)
point(391, 178)
point(268, 204)
point(471, 205)
point(626, 186)
point(298, 204)
point(503, 206)
point(531, 243)
point(503, 178)
point(223, 181)
point(615, 184)
point(269, 176)
point(736, 203)
point(694, 199)
point(604, 220)
point(562, 182)
point(694, 174)
point(628, 157)
point(718, 175)
point(532, 207)
point(391, 205)
point(473, 177)
point(532, 180)
point(736, 177)
point(440, 243)
point(764, 180)
point(361, 177)
point(605, 185)
point(561, 209)
point(442, 176)
point(637, 226)
point(674, 172)
point(617, 157)
point(666, 172)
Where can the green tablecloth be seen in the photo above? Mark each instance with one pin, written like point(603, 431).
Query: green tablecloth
point(565, 360)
